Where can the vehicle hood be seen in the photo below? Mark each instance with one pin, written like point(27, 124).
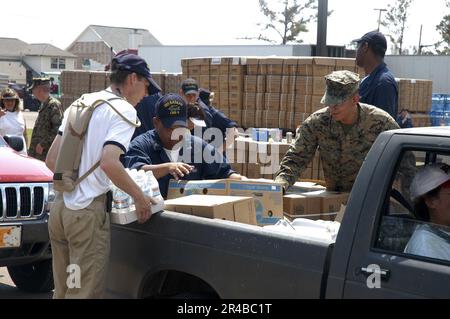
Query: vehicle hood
point(17, 168)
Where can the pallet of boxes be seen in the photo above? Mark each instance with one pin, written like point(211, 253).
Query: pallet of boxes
point(75, 83)
point(264, 95)
point(416, 96)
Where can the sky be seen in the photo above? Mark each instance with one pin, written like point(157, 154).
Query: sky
point(201, 22)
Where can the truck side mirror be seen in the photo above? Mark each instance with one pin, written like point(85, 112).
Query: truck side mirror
point(15, 142)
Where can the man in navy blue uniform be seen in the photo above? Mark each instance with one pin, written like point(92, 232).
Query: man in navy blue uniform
point(146, 112)
point(379, 87)
point(170, 152)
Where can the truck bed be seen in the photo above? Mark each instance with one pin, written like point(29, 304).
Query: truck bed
point(235, 260)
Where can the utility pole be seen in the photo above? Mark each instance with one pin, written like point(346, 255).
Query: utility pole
point(420, 40)
point(379, 17)
point(322, 17)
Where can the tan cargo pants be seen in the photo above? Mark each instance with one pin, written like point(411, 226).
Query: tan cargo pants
point(80, 242)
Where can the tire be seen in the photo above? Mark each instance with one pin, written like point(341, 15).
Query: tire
point(35, 278)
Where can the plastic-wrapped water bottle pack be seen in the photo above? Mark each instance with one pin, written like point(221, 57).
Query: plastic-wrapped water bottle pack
point(123, 208)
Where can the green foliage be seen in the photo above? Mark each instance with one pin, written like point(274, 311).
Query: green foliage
point(288, 21)
point(395, 21)
point(443, 47)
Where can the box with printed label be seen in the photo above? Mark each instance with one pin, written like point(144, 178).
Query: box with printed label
point(267, 195)
point(204, 187)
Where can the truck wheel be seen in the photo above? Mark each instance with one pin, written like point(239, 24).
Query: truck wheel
point(35, 278)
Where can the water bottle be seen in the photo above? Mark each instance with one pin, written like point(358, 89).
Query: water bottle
point(121, 200)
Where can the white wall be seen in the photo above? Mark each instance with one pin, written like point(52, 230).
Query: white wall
point(435, 68)
point(168, 58)
point(43, 64)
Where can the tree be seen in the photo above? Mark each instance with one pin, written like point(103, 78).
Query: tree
point(395, 21)
point(288, 22)
point(444, 30)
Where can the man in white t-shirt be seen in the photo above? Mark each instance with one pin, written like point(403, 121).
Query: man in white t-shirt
point(431, 192)
point(79, 222)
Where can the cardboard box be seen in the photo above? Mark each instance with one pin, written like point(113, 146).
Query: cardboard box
point(273, 66)
point(252, 66)
point(296, 204)
point(203, 81)
point(235, 100)
point(250, 83)
point(260, 98)
point(304, 66)
point(302, 104)
point(272, 102)
point(304, 85)
point(331, 202)
point(323, 66)
point(223, 83)
point(258, 116)
point(273, 84)
point(248, 118)
point(287, 102)
point(240, 209)
point(290, 66)
point(268, 197)
point(179, 189)
point(214, 81)
point(237, 70)
point(236, 83)
point(249, 101)
point(345, 64)
point(261, 84)
point(288, 84)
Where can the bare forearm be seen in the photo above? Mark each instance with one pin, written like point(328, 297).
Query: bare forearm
point(158, 171)
point(117, 174)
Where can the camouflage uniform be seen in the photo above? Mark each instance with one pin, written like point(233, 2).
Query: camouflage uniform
point(341, 154)
point(46, 127)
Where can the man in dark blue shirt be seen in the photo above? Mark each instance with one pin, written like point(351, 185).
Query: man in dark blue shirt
point(379, 87)
point(170, 152)
point(145, 113)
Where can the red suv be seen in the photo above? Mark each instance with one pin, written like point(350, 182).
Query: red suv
point(26, 192)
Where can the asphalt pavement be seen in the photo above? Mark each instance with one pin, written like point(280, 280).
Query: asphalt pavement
point(9, 291)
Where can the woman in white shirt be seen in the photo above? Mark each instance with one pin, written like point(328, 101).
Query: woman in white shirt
point(12, 121)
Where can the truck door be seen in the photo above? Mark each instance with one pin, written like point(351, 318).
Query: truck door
point(381, 265)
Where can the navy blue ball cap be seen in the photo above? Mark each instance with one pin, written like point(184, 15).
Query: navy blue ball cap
point(373, 38)
point(171, 109)
point(134, 63)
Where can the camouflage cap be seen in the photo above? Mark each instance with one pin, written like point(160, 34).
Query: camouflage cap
point(39, 81)
point(341, 85)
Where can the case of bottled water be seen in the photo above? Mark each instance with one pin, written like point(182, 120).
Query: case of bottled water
point(123, 207)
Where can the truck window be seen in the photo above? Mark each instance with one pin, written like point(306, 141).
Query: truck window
point(418, 226)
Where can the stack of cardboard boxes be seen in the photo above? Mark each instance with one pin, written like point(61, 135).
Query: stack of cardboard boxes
point(254, 202)
point(267, 195)
point(78, 82)
point(283, 92)
point(224, 76)
point(262, 159)
point(265, 92)
point(416, 96)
